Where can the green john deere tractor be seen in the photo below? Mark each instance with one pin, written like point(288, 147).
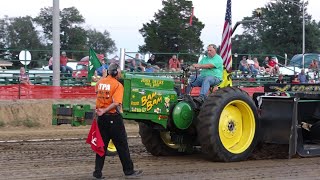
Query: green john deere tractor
point(225, 126)
point(228, 125)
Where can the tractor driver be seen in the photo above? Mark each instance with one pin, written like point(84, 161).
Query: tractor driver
point(210, 75)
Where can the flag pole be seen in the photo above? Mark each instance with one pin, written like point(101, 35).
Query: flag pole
point(192, 14)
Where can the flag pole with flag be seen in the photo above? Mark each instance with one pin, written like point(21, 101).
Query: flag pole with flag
point(225, 51)
point(94, 63)
point(192, 14)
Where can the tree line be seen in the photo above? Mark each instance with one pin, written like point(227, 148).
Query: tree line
point(35, 34)
point(278, 31)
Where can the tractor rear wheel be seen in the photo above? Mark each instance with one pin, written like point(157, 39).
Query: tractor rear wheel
point(228, 125)
point(156, 142)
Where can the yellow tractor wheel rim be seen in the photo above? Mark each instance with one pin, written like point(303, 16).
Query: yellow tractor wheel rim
point(237, 126)
point(111, 147)
point(166, 138)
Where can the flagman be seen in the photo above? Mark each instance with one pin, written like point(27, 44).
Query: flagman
point(108, 108)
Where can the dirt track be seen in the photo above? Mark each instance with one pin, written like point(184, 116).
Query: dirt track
point(75, 160)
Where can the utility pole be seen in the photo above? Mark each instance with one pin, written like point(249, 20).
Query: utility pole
point(56, 43)
point(303, 34)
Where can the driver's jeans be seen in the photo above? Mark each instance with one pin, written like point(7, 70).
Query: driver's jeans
point(204, 82)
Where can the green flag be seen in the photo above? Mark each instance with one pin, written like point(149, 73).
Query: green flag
point(94, 63)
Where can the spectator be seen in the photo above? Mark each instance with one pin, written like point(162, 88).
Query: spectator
point(250, 63)
point(280, 80)
point(63, 63)
point(266, 66)
point(174, 64)
point(149, 68)
point(95, 78)
point(295, 80)
point(273, 66)
point(50, 65)
point(153, 63)
point(257, 66)
point(302, 77)
point(243, 66)
point(181, 62)
point(136, 64)
point(132, 65)
point(152, 60)
point(24, 77)
point(140, 67)
point(314, 67)
point(100, 69)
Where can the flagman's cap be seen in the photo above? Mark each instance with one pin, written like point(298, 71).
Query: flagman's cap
point(113, 66)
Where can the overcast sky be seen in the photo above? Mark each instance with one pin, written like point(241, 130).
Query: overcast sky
point(123, 18)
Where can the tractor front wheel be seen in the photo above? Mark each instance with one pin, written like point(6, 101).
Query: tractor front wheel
point(156, 142)
point(228, 125)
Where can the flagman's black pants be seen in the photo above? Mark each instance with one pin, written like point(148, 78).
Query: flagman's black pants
point(111, 126)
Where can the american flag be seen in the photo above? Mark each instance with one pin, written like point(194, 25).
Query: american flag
point(225, 51)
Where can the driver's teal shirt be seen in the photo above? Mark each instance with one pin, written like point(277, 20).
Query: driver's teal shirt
point(217, 70)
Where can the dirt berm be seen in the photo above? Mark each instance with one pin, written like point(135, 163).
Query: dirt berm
point(38, 111)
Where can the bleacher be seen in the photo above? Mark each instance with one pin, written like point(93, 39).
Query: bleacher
point(42, 79)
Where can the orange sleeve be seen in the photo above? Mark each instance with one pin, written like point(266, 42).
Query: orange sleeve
point(118, 94)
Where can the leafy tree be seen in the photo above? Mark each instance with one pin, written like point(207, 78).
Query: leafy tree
point(170, 31)
point(72, 35)
point(3, 32)
point(21, 34)
point(71, 32)
point(279, 31)
point(100, 42)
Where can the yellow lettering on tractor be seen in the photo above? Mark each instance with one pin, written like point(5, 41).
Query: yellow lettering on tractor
point(150, 100)
point(153, 102)
point(145, 99)
point(157, 83)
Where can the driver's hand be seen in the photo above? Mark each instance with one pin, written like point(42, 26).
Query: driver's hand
point(192, 68)
point(196, 66)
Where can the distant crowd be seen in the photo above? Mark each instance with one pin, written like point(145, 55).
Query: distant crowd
point(269, 66)
point(136, 64)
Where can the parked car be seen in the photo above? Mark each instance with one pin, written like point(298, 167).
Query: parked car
point(81, 68)
point(295, 64)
